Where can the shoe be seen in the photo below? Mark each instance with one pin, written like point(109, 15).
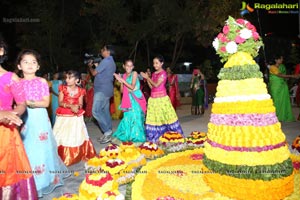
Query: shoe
point(105, 139)
point(116, 141)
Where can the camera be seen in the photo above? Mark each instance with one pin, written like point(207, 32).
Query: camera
point(91, 58)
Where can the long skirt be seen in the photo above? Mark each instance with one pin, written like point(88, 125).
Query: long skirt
point(40, 145)
point(161, 117)
point(72, 139)
point(16, 179)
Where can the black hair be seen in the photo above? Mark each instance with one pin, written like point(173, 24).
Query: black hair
point(74, 73)
point(111, 49)
point(28, 52)
point(4, 46)
point(161, 59)
point(4, 56)
point(127, 60)
point(274, 58)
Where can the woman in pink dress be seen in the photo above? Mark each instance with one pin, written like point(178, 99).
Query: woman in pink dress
point(16, 179)
point(173, 88)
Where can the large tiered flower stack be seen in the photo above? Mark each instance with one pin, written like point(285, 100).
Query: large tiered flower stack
point(246, 155)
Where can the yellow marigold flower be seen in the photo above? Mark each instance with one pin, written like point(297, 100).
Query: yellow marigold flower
point(76, 173)
point(239, 59)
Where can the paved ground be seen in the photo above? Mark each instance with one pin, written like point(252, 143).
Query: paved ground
point(188, 122)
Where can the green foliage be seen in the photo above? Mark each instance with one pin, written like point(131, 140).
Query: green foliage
point(258, 172)
point(240, 72)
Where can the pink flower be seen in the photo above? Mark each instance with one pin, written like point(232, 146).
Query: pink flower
point(226, 30)
point(43, 136)
point(239, 40)
point(39, 169)
point(250, 27)
point(222, 37)
point(255, 35)
point(223, 49)
point(240, 21)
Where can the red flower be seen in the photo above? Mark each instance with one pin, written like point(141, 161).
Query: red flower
point(197, 156)
point(296, 165)
point(226, 30)
point(239, 40)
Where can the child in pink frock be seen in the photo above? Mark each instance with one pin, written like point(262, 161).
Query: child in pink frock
point(36, 133)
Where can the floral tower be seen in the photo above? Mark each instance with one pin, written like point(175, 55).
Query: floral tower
point(246, 155)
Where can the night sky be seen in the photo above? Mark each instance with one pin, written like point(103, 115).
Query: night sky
point(275, 26)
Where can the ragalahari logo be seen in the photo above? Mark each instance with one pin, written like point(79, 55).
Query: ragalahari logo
point(246, 8)
point(271, 8)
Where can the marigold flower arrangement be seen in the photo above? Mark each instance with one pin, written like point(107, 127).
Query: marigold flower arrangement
point(237, 35)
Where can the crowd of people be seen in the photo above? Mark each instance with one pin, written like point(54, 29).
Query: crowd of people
point(146, 103)
point(40, 147)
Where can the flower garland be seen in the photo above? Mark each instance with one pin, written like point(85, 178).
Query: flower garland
point(237, 35)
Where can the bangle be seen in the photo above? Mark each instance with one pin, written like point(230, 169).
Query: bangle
point(31, 104)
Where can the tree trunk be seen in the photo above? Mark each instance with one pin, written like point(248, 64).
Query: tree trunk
point(177, 49)
point(134, 50)
point(148, 53)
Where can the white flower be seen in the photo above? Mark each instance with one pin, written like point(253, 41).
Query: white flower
point(245, 33)
point(216, 43)
point(231, 47)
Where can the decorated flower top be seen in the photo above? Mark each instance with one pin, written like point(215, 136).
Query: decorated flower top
point(238, 35)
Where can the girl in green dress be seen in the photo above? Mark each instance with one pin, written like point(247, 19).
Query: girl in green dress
point(133, 104)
